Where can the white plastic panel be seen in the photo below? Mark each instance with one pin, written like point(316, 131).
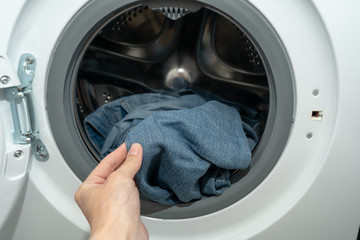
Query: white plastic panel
point(2, 147)
point(16, 164)
point(8, 77)
point(9, 14)
point(13, 171)
point(13, 167)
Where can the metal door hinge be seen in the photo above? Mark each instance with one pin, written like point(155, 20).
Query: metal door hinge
point(22, 108)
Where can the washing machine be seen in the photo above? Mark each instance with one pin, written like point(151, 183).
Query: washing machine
point(291, 63)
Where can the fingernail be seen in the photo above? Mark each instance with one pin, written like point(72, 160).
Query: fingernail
point(134, 150)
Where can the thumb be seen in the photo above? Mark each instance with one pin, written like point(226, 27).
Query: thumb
point(133, 161)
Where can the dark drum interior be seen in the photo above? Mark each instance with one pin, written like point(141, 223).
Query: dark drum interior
point(173, 51)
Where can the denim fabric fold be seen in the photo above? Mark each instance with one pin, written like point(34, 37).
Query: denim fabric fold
point(190, 145)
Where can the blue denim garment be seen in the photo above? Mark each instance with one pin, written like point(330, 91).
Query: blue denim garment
point(188, 152)
point(114, 120)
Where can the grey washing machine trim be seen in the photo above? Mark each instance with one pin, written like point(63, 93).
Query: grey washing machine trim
point(61, 104)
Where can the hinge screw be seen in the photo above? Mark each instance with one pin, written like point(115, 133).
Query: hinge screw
point(41, 151)
point(5, 79)
point(316, 92)
point(29, 60)
point(43, 154)
point(309, 135)
point(18, 153)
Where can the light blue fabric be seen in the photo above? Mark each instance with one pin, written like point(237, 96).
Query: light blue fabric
point(114, 120)
point(190, 145)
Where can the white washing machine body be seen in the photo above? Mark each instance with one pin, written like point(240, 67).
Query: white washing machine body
point(311, 193)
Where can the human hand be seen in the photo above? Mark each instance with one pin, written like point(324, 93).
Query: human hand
point(109, 197)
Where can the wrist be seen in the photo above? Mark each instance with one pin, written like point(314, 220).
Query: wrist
point(114, 231)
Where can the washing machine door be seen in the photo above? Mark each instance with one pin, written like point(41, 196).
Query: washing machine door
point(13, 158)
point(15, 139)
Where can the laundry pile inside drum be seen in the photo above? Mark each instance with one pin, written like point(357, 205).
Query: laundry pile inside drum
point(190, 145)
